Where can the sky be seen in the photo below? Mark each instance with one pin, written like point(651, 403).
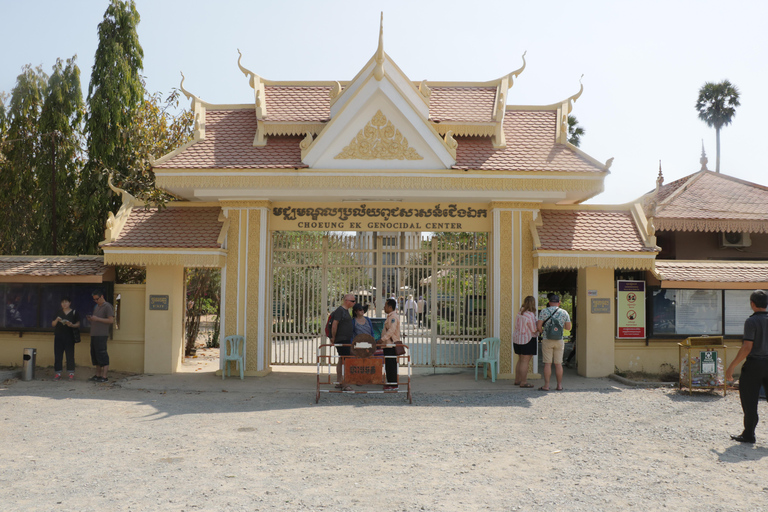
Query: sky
point(643, 62)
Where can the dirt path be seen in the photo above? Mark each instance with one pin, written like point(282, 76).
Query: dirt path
point(86, 447)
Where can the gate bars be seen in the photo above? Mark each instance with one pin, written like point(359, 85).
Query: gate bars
point(313, 270)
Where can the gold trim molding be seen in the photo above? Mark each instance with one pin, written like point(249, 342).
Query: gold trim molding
point(356, 181)
point(577, 261)
point(379, 140)
point(148, 258)
point(711, 225)
point(465, 130)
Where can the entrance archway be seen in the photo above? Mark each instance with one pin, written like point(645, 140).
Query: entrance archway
point(313, 270)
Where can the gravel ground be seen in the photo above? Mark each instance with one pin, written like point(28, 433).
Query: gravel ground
point(86, 447)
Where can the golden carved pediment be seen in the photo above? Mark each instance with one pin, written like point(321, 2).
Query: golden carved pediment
point(379, 140)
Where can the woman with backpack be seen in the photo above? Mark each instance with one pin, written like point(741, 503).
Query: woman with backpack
point(525, 340)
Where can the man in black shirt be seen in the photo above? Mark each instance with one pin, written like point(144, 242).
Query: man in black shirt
point(754, 373)
point(341, 334)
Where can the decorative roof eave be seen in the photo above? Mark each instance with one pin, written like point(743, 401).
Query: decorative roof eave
point(711, 225)
point(465, 129)
point(145, 256)
point(583, 259)
point(296, 128)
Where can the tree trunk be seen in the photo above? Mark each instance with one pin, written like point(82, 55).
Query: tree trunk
point(717, 161)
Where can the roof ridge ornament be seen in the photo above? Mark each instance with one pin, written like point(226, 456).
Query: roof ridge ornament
point(515, 73)
point(253, 76)
point(576, 96)
point(424, 89)
point(703, 160)
point(378, 70)
point(567, 108)
point(258, 88)
point(659, 179)
point(335, 91)
point(186, 93)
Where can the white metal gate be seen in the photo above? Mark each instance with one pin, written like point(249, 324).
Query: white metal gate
point(314, 270)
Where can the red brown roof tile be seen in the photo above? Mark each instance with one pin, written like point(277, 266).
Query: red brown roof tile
point(531, 146)
point(228, 144)
point(52, 266)
point(707, 271)
point(589, 230)
point(297, 104)
point(172, 227)
point(462, 104)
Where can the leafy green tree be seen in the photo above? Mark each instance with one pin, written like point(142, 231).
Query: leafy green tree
point(716, 106)
point(115, 94)
point(60, 162)
point(18, 170)
point(575, 132)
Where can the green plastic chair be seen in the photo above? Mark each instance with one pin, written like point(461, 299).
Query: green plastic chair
point(489, 356)
point(233, 350)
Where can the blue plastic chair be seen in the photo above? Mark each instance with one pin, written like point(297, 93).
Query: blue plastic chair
point(233, 350)
point(489, 356)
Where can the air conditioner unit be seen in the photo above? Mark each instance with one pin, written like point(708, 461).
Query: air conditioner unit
point(735, 240)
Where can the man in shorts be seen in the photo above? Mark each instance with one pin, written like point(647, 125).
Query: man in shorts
point(341, 334)
point(754, 372)
point(552, 322)
point(103, 316)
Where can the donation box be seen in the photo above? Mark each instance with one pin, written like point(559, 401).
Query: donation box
point(363, 370)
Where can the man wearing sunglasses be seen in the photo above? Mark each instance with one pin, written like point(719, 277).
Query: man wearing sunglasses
point(341, 334)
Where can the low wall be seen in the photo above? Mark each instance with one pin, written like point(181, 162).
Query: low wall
point(126, 348)
point(124, 356)
point(660, 356)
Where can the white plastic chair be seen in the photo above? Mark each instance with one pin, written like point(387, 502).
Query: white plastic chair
point(233, 350)
point(489, 356)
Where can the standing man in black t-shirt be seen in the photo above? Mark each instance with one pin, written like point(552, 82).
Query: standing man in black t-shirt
point(103, 316)
point(341, 334)
point(754, 373)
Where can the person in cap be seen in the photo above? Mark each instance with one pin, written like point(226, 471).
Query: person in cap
point(553, 320)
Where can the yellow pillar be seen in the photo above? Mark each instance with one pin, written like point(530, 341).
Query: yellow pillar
point(246, 282)
point(595, 336)
point(163, 328)
point(512, 274)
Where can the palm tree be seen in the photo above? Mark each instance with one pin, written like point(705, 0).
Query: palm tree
point(574, 131)
point(716, 106)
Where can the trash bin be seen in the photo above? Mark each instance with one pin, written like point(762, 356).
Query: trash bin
point(28, 367)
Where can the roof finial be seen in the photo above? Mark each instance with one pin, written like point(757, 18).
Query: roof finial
point(576, 96)
point(186, 93)
point(378, 71)
point(703, 159)
point(516, 73)
point(660, 179)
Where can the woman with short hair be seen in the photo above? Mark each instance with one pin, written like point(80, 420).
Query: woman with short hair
point(66, 322)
